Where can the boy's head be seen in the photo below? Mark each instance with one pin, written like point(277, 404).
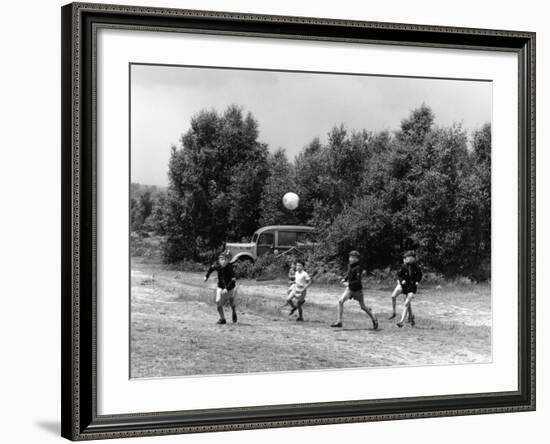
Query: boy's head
point(409, 257)
point(223, 259)
point(300, 266)
point(353, 257)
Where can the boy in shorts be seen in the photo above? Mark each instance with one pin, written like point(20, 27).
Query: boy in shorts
point(298, 290)
point(225, 291)
point(354, 290)
point(408, 276)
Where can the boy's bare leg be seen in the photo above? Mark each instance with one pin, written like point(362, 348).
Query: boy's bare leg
point(290, 302)
point(369, 313)
point(394, 295)
point(411, 315)
point(340, 310)
point(219, 305)
point(340, 314)
point(406, 309)
point(233, 309)
point(300, 313)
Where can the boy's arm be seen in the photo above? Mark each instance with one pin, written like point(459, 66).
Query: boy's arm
point(419, 274)
point(232, 278)
point(209, 272)
point(308, 281)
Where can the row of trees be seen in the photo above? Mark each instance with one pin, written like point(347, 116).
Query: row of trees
point(422, 187)
point(147, 205)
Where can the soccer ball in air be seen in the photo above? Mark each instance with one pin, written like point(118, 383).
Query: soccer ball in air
point(291, 201)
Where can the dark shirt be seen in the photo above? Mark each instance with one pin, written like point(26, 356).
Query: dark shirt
point(226, 276)
point(353, 277)
point(411, 274)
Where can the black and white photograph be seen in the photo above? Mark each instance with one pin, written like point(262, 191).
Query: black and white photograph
point(297, 221)
point(275, 222)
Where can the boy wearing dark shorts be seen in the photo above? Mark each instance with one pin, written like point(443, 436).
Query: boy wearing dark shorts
point(354, 290)
point(409, 276)
point(225, 291)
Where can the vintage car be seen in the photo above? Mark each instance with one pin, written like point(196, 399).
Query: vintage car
point(273, 239)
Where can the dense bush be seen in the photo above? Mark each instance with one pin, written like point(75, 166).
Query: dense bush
point(143, 244)
point(147, 204)
point(268, 267)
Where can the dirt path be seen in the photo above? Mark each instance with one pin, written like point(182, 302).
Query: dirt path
point(173, 330)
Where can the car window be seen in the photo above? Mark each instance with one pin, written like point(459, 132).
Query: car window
point(266, 239)
point(287, 238)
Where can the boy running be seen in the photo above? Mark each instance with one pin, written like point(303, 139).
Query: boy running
point(354, 290)
point(225, 292)
point(298, 290)
point(408, 276)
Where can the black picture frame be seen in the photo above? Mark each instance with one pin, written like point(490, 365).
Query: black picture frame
point(80, 420)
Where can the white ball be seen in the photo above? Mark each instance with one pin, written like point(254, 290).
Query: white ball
point(291, 201)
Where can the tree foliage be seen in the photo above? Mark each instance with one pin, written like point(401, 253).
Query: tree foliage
point(146, 207)
point(281, 180)
point(422, 186)
point(216, 180)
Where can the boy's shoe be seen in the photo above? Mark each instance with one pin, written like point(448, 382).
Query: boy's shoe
point(221, 321)
point(234, 317)
point(400, 324)
point(375, 323)
point(293, 310)
point(336, 324)
point(392, 316)
point(299, 319)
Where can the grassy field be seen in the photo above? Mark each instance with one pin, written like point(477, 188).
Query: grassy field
point(173, 330)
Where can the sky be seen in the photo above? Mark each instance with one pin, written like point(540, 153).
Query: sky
point(291, 108)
